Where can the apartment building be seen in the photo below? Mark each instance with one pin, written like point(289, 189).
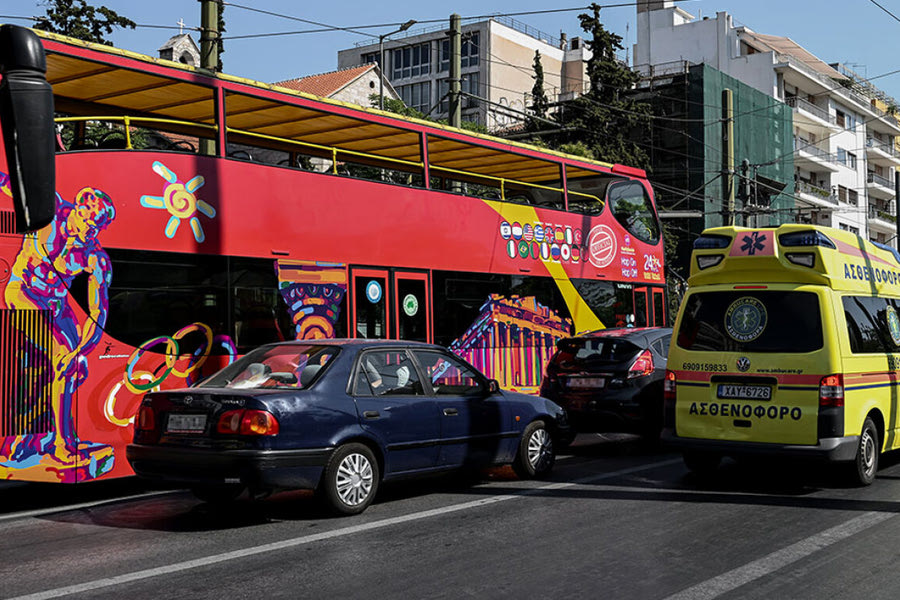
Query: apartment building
point(497, 58)
point(844, 152)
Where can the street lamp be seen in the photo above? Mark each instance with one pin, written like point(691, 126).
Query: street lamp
point(381, 39)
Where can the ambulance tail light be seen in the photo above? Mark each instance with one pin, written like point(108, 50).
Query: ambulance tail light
point(803, 259)
point(812, 237)
point(669, 385)
point(709, 260)
point(831, 391)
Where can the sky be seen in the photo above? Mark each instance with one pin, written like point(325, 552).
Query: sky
point(855, 32)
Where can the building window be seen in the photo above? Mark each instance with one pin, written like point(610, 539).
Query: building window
point(411, 61)
point(369, 58)
point(842, 193)
point(850, 228)
point(851, 160)
point(853, 197)
point(468, 53)
point(469, 85)
point(417, 95)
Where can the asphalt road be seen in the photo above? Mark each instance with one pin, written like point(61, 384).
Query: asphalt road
point(615, 521)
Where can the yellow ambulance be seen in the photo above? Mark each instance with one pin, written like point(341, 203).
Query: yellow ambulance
point(787, 343)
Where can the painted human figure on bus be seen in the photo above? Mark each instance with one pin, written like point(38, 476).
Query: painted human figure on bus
point(42, 275)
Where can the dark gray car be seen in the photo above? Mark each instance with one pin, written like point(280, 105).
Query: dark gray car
point(611, 380)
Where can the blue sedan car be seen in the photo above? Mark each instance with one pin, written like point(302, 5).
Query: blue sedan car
point(339, 416)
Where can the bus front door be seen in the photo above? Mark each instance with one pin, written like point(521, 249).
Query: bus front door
point(391, 303)
point(369, 303)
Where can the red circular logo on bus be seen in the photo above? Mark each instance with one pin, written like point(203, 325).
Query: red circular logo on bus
point(601, 246)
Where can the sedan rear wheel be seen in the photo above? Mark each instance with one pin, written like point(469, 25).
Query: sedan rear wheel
point(536, 453)
point(350, 479)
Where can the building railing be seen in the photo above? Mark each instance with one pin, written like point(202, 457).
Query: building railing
point(885, 147)
point(806, 106)
point(879, 180)
point(803, 187)
point(802, 145)
point(876, 212)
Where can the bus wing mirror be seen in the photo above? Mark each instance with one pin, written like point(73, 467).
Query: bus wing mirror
point(26, 117)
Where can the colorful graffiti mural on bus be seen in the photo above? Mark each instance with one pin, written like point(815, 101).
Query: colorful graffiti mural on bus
point(178, 198)
point(512, 339)
point(42, 274)
point(313, 292)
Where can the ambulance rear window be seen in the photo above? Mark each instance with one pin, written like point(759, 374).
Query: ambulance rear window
point(751, 321)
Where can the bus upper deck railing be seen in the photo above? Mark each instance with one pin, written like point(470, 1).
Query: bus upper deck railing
point(335, 153)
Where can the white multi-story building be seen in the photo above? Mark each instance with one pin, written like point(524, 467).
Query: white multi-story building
point(845, 155)
point(497, 59)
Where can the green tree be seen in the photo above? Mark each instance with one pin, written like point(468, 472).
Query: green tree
point(605, 118)
point(78, 19)
point(220, 44)
point(539, 102)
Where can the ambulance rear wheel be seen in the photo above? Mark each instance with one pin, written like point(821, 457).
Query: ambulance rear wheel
point(702, 464)
point(865, 465)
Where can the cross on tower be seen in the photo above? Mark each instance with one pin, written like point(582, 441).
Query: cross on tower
point(180, 26)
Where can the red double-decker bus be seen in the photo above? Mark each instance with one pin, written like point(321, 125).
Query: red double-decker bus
point(198, 216)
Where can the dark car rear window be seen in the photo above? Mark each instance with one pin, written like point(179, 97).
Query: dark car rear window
point(751, 321)
point(582, 353)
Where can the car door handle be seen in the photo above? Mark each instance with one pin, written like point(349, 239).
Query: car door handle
point(371, 414)
point(450, 412)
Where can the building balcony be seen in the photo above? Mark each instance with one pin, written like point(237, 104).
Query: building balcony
point(879, 187)
point(881, 153)
point(813, 155)
point(812, 116)
point(815, 195)
point(882, 218)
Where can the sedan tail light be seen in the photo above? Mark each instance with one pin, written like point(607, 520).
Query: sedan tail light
point(146, 420)
point(642, 365)
point(247, 422)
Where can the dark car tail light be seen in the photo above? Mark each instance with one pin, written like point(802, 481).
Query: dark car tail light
point(146, 420)
point(248, 422)
point(642, 365)
point(831, 391)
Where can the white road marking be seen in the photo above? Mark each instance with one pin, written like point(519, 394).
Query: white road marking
point(731, 580)
point(308, 539)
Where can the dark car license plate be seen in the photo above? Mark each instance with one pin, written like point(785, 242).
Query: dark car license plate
point(186, 423)
point(586, 382)
point(744, 392)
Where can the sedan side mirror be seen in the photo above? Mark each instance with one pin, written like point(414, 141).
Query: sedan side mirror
point(493, 386)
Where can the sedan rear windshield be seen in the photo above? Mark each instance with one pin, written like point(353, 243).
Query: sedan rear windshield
point(751, 321)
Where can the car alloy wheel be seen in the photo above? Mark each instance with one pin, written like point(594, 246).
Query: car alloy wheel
point(540, 449)
point(536, 453)
point(354, 479)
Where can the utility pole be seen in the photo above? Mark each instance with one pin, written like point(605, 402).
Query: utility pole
point(209, 55)
point(209, 34)
point(455, 68)
point(728, 154)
